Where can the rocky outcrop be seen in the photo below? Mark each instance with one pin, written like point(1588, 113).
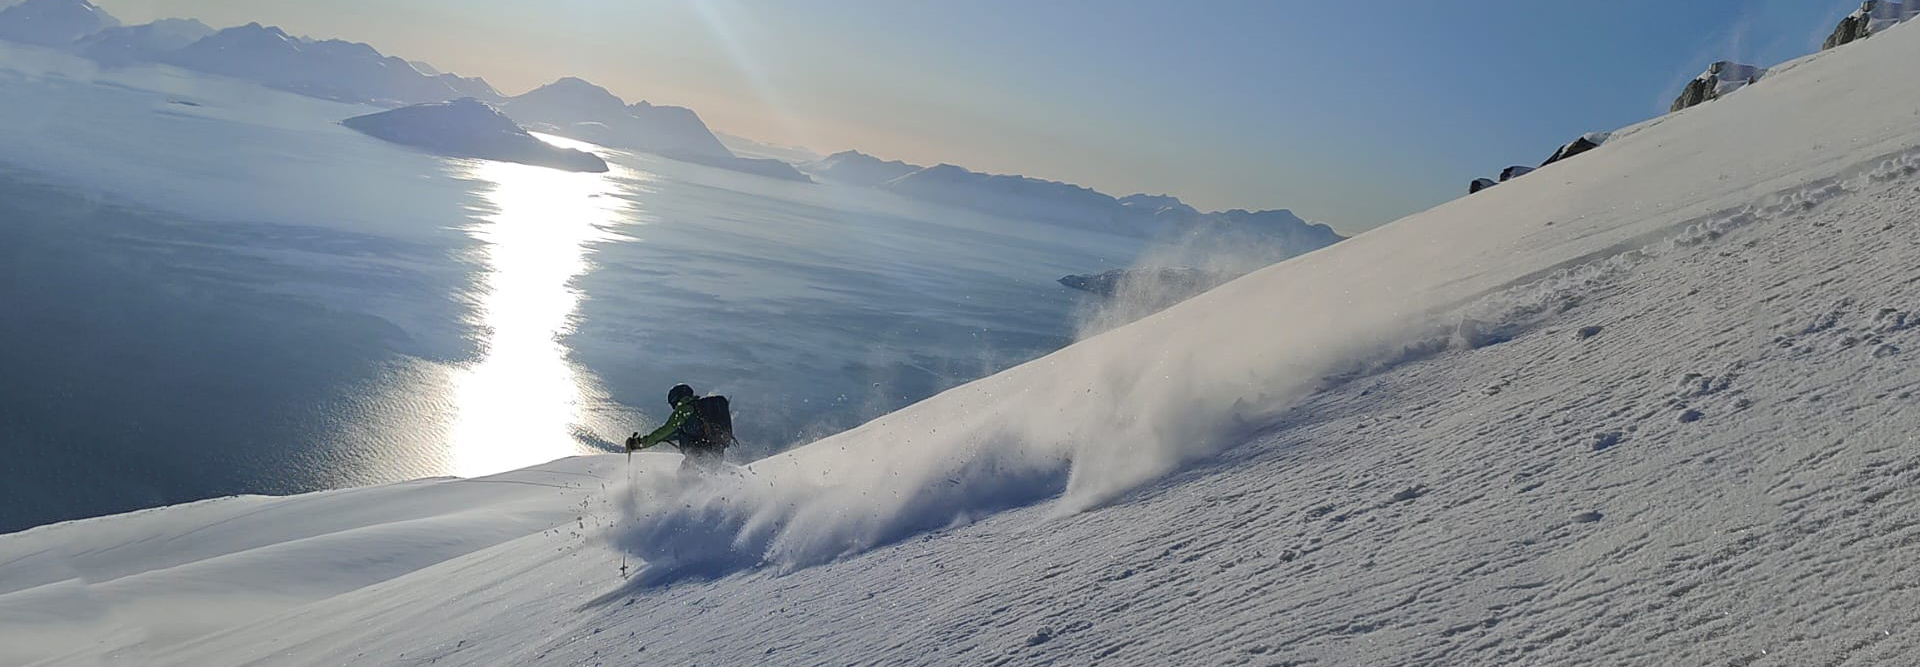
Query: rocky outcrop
point(143, 43)
point(56, 23)
point(1720, 79)
point(1586, 142)
point(470, 128)
point(1873, 16)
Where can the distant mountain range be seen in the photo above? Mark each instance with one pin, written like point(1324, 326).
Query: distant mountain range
point(328, 69)
point(55, 23)
point(358, 73)
point(142, 43)
point(1269, 235)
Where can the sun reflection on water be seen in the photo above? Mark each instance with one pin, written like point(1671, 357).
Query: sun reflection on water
point(520, 404)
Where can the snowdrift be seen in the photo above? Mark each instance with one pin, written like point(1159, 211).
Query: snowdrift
point(1644, 407)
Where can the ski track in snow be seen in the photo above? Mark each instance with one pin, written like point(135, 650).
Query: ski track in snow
point(1681, 432)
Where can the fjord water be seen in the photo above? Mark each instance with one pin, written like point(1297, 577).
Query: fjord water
point(208, 288)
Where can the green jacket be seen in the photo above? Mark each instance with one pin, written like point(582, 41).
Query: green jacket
point(672, 430)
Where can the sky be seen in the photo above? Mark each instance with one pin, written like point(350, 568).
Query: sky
point(1354, 114)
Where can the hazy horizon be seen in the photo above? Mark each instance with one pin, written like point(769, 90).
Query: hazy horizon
point(1238, 105)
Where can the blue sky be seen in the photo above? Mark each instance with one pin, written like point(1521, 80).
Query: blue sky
point(1349, 113)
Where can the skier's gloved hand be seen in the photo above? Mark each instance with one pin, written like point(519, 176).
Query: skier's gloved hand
point(633, 441)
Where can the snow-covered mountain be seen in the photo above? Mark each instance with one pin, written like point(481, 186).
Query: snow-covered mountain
point(328, 69)
point(470, 128)
point(1011, 195)
point(1872, 17)
point(1720, 79)
point(1274, 234)
point(56, 23)
point(744, 147)
point(143, 43)
point(575, 108)
point(1160, 207)
point(857, 168)
point(1656, 409)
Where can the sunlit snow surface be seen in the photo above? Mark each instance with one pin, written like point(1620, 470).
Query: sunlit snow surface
point(1650, 405)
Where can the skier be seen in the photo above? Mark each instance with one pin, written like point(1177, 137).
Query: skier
point(701, 426)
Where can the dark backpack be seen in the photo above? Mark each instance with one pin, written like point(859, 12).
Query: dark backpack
point(716, 421)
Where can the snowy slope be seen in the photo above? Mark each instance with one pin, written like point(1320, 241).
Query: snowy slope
point(169, 574)
point(1649, 406)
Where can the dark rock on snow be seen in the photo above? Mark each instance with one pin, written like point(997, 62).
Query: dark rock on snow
point(1720, 79)
point(1586, 142)
point(1873, 16)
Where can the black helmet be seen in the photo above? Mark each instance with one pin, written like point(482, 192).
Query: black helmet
point(678, 393)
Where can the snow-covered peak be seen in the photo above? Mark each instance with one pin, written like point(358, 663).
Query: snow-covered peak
point(566, 101)
point(667, 113)
point(143, 43)
point(56, 23)
point(1158, 204)
point(256, 33)
point(330, 69)
point(857, 168)
point(339, 48)
point(576, 90)
point(239, 48)
point(177, 29)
